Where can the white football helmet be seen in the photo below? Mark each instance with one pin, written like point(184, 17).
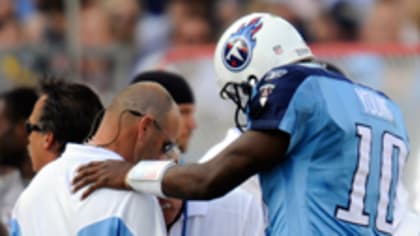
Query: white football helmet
point(254, 44)
point(249, 48)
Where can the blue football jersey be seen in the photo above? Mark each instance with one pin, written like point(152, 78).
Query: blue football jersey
point(343, 167)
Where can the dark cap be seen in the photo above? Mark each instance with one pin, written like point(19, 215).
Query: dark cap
point(176, 85)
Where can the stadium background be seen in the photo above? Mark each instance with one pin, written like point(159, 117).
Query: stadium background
point(104, 42)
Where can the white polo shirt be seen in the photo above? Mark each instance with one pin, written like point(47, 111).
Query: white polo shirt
point(48, 207)
point(237, 213)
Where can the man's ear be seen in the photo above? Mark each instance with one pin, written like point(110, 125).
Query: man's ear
point(143, 125)
point(48, 140)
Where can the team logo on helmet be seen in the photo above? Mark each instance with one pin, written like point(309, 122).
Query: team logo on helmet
point(237, 52)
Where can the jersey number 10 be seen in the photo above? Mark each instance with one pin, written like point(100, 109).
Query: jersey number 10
point(355, 213)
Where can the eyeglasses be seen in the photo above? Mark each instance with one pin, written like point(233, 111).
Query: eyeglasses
point(169, 148)
point(32, 127)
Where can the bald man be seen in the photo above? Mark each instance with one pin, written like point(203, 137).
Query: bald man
point(142, 122)
point(236, 213)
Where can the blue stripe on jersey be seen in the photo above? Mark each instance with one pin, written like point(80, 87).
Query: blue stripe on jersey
point(15, 228)
point(112, 226)
point(284, 81)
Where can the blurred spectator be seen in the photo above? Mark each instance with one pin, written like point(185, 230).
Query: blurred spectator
point(154, 6)
point(158, 32)
point(335, 24)
point(322, 29)
point(96, 39)
point(55, 24)
point(95, 29)
point(149, 41)
point(15, 168)
point(24, 9)
point(14, 64)
point(180, 11)
point(33, 29)
point(388, 23)
point(123, 16)
point(10, 33)
point(416, 13)
point(363, 7)
point(283, 9)
point(411, 28)
point(190, 25)
point(194, 31)
point(226, 12)
point(7, 10)
point(44, 33)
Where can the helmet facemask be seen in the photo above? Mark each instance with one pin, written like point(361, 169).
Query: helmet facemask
point(240, 94)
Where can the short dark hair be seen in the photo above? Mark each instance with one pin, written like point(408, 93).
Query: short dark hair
point(175, 84)
point(71, 111)
point(19, 103)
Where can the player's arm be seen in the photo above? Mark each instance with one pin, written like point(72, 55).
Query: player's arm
point(252, 152)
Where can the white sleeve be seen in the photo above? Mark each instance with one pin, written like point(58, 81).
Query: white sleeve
point(146, 176)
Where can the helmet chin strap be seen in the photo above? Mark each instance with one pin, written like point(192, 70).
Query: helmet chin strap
point(235, 92)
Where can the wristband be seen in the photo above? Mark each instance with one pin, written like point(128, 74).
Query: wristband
point(147, 176)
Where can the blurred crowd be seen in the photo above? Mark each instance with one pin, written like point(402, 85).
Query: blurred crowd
point(39, 36)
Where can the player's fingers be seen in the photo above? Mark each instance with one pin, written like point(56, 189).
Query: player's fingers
point(91, 189)
point(88, 166)
point(86, 180)
point(87, 192)
point(85, 172)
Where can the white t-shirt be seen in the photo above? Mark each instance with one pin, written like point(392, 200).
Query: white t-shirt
point(237, 213)
point(48, 207)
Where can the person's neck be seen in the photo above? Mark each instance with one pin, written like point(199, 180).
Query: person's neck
point(114, 146)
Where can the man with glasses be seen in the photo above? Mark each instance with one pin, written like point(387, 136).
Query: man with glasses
point(65, 112)
point(141, 121)
point(237, 213)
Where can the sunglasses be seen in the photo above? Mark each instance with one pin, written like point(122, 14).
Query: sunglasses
point(169, 148)
point(32, 127)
